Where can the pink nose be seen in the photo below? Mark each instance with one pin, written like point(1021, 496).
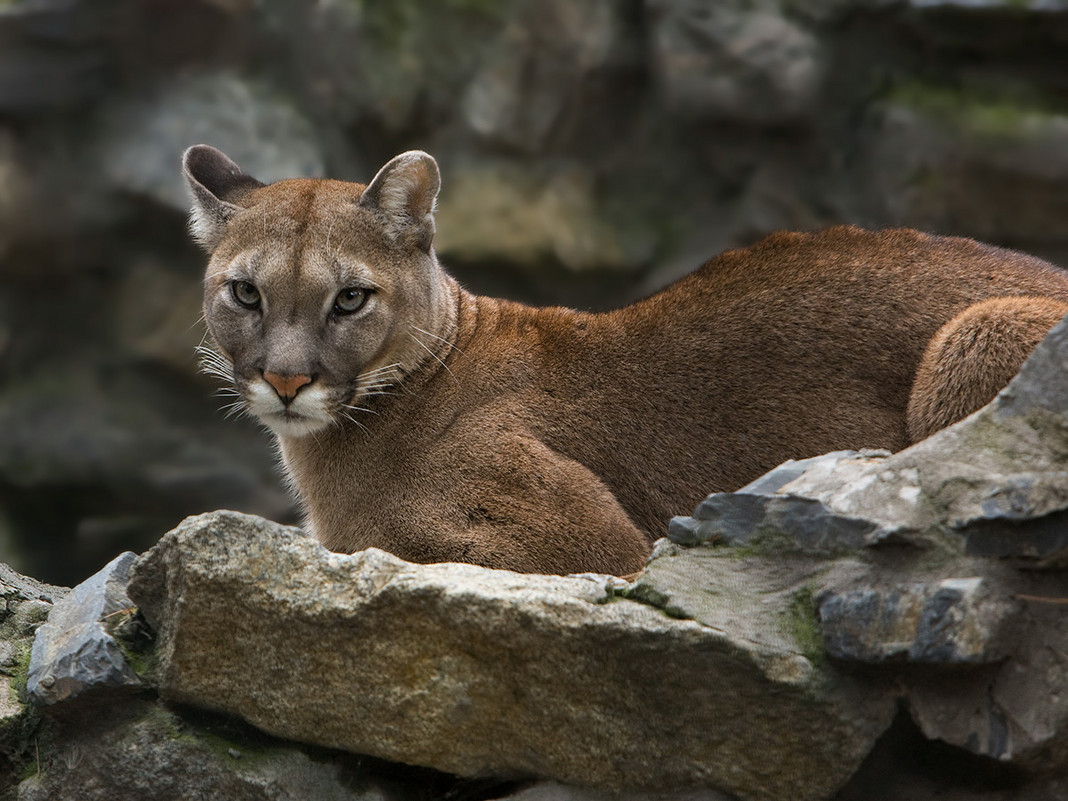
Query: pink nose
point(287, 386)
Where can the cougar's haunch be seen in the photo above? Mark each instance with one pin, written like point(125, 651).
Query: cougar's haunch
point(439, 425)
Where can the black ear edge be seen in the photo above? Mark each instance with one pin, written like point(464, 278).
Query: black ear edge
point(212, 170)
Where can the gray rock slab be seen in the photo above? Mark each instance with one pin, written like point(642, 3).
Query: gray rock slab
point(1016, 712)
point(949, 621)
point(142, 138)
point(73, 653)
point(14, 585)
point(738, 518)
point(145, 751)
point(482, 672)
point(737, 60)
point(24, 606)
point(759, 513)
point(994, 484)
point(554, 791)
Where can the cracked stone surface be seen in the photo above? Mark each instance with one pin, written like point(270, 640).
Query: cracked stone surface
point(946, 621)
point(141, 750)
point(24, 605)
point(73, 652)
point(476, 671)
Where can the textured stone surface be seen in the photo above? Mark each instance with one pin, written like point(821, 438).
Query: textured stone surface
point(1017, 712)
point(24, 606)
point(15, 586)
point(140, 139)
point(73, 653)
point(552, 791)
point(756, 511)
point(736, 60)
point(478, 672)
point(143, 751)
point(950, 621)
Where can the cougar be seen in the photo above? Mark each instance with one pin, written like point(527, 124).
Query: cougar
point(439, 425)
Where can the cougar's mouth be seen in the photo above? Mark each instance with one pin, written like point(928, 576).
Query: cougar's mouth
point(303, 415)
point(293, 424)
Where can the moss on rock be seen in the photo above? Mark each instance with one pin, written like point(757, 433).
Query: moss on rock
point(991, 114)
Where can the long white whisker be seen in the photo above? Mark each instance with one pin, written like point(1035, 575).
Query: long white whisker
point(218, 372)
point(359, 409)
point(451, 345)
point(209, 356)
point(375, 379)
point(234, 409)
point(438, 358)
point(389, 368)
point(355, 422)
point(380, 385)
point(197, 322)
point(215, 364)
point(374, 382)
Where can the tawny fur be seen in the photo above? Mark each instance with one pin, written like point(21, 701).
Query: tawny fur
point(973, 356)
point(551, 440)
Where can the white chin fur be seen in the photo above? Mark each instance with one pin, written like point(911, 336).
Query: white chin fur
point(305, 415)
point(293, 426)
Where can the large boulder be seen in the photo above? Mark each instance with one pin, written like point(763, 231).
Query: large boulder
point(477, 671)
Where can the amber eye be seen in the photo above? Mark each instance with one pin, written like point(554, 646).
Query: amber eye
point(246, 294)
point(349, 300)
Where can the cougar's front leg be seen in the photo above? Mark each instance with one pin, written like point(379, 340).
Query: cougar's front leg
point(519, 505)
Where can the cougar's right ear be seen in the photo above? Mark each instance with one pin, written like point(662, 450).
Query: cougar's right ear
point(219, 188)
point(405, 192)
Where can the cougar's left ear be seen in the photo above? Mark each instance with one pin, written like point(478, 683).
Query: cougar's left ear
point(219, 190)
point(405, 191)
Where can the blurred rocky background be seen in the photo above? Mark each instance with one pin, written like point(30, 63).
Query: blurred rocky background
point(591, 152)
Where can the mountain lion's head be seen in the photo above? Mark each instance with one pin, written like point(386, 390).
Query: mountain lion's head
point(318, 293)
